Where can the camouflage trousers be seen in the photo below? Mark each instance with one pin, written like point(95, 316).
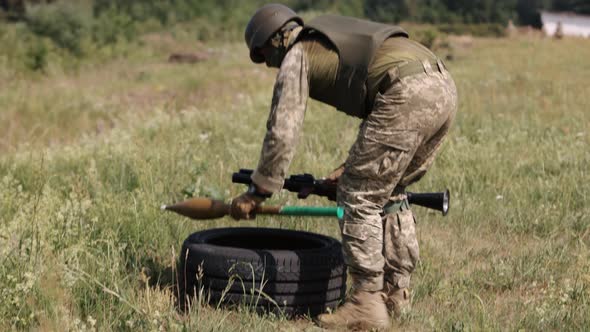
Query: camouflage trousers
point(395, 146)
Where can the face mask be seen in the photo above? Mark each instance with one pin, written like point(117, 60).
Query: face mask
point(278, 51)
point(275, 58)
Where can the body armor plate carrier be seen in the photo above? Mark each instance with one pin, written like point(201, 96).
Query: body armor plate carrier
point(356, 42)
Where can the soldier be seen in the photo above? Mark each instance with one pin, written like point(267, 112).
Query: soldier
point(406, 99)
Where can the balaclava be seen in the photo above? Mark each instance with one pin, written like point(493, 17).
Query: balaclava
point(281, 42)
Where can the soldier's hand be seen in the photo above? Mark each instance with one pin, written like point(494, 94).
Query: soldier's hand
point(244, 206)
point(335, 175)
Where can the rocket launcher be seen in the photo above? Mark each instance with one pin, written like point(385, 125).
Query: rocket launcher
point(205, 208)
point(305, 185)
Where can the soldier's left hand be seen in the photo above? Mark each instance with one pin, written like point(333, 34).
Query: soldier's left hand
point(244, 206)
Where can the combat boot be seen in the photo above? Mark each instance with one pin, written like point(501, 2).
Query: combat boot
point(397, 299)
point(363, 311)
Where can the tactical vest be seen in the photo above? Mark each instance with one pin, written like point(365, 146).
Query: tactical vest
point(356, 42)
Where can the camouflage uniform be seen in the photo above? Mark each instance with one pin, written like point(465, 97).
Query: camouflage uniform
point(395, 146)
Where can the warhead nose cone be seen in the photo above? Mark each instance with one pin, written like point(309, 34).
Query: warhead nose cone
point(199, 208)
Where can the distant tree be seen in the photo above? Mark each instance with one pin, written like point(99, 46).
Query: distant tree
point(344, 7)
point(442, 11)
point(528, 12)
point(483, 11)
point(16, 9)
point(13, 9)
point(577, 6)
point(387, 10)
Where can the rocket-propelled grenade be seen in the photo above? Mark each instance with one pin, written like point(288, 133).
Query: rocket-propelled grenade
point(201, 208)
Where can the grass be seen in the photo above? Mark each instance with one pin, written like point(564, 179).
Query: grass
point(88, 155)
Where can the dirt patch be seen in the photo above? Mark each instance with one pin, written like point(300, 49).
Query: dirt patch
point(188, 57)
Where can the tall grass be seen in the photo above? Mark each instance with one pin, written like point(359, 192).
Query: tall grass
point(88, 157)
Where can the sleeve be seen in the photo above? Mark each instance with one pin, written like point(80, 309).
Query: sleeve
point(285, 121)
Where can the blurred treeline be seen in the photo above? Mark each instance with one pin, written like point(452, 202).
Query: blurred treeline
point(81, 27)
point(421, 11)
point(523, 12)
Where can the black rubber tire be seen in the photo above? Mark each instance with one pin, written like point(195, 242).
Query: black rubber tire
point(280, 300)
point(230, 249)
point(240, 286)
point(302, 272)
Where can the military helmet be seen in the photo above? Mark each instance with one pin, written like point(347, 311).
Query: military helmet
point(264, 24)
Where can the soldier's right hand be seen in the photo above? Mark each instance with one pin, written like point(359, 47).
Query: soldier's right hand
point(244, 206)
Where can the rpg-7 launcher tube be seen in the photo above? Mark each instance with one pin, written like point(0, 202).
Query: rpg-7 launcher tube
point(306, 184)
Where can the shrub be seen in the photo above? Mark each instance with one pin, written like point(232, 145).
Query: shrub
point(427, 35)
point(12, 10)
point(36, 56)
point(61, 23)
point(112, 25)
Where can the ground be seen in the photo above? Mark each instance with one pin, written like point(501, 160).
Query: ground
point(88, 156)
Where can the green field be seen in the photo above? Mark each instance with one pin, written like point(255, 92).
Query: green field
point(87, 156)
